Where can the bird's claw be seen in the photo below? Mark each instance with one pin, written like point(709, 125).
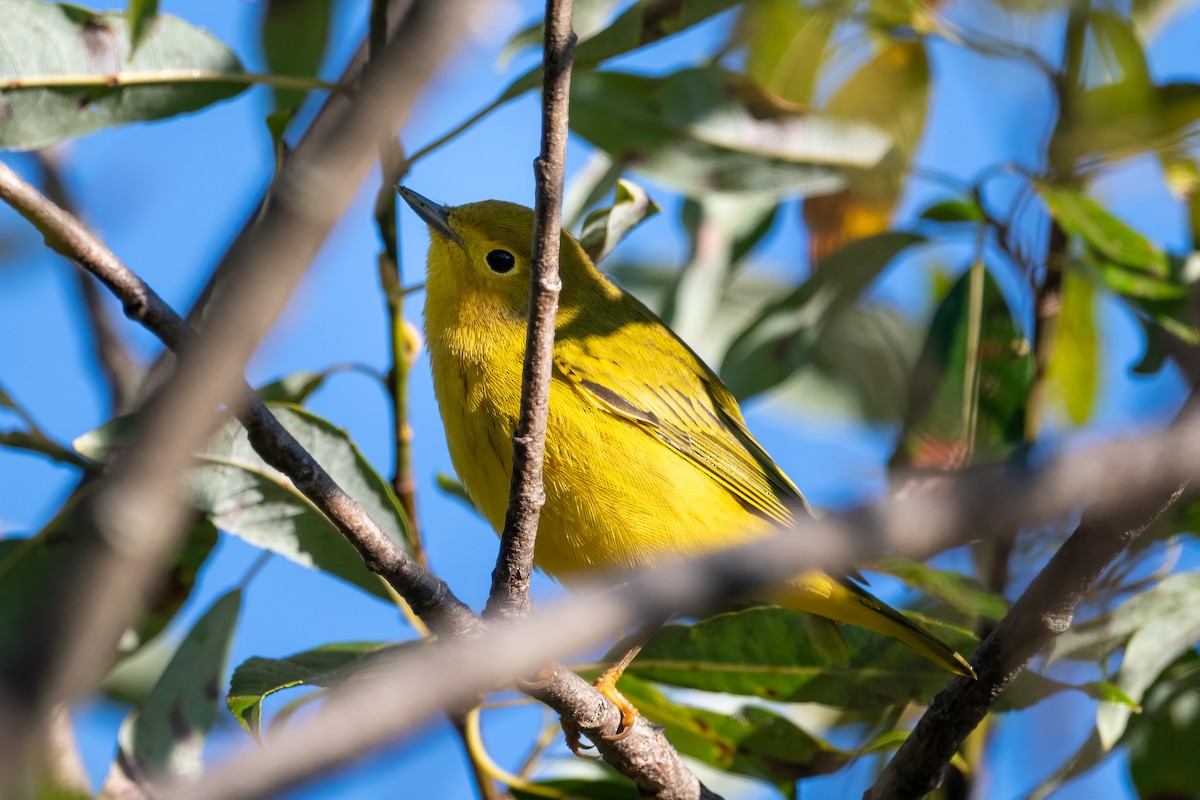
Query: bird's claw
point(606, 684)
point(575, 742)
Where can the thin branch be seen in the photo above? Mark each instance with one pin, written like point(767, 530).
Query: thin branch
point(134, 518)
point(514, 565)
point(1118, 478)
point(122, 373)
point(646, 757)
point(1044, 611)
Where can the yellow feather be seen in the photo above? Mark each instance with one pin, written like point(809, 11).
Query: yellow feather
point(648, 457)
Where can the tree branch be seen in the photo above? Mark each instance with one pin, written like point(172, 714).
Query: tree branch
point(134, 518)
point(1128, 482)
point(514, 565)
point(1044, 611)
point(646, 757)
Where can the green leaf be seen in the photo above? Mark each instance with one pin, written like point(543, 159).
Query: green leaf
point(952, 211)
point(29, 567)
point(141, 15)
point(751, 741)
point(451, 487)
point(1163, 740)
point(971, 384)
point(786, 44)
point(962, 592)
point(244, 496)
point(164, 737)
point(765, 652)
point(294, 35)
point(292, 389)
point(705, 130)
point(1075, 362)
point(1108, 237)
point(37, 442)
point(604, 228)
point(257, 678)
point(71, 47)
point(784, 335)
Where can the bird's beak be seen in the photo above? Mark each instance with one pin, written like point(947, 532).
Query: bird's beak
point(436, 216)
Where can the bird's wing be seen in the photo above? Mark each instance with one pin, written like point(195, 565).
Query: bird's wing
point(685, 407)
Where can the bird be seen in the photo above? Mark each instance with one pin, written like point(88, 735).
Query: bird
point(648, 458)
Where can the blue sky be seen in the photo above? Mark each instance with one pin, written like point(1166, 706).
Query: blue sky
point(169, 197)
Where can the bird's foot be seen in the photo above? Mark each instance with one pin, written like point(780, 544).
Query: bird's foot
point(606, 684)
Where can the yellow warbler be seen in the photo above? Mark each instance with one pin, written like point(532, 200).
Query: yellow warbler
point(648, 458)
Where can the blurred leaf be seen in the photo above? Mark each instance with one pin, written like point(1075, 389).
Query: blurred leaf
point(951, 211)
point(642, 24)
point(1152, 16)
point(705, 130)
point(588, 186)
point(588, 17)
point(164, 738)
point(765, 652)
point(58, 41)
point(1075, 360)
point(1156, 285)
point(604, 228)
point(1156, 627)
point(30, 567)
point(294, 35)
point(244, 496)
point(786, 332)
point(141, 15)
point(292, 389)
point(890, 92)
point(960, 591)
point(786, 45)
point(971, 384)
point(1163, 741)
point(37, 442)
point(750, 741)
point(1099, 638)
point(132, 678)
point(450, 486)
point(722, 230)
point(1116, 110)
point(326, 666)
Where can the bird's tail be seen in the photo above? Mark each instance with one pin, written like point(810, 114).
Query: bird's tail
point(843, 601)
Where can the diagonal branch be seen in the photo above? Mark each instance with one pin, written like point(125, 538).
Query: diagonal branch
point(1044, 611)
point(646, 757)
point(134, 518)
point(1129, 482)
point(514, 565)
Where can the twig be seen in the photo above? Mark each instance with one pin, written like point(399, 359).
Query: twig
point(1117, 477)
point(509, 596)
point(122, 373)
point(393, 167)
point(645, 757)
point(134, 518)
point(1044, 611)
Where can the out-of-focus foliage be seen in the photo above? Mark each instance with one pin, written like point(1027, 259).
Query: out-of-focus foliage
point(794, 112)
point(75, 62)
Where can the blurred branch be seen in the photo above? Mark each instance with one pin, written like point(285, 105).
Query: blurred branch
point(61, 772)
point(166, 77)
point(122, 373)
point(645, 756)
point(514, 565)
point(392, 167)
point(1044, 611)
point(1128, 483)
point(134, 518)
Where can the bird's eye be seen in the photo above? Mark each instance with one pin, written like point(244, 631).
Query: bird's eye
point(501, 261)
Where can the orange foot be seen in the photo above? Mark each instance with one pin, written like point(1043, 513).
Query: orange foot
point(606, 684)
point(575, 741)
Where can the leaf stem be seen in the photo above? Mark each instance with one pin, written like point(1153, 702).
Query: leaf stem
point(115, 80)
